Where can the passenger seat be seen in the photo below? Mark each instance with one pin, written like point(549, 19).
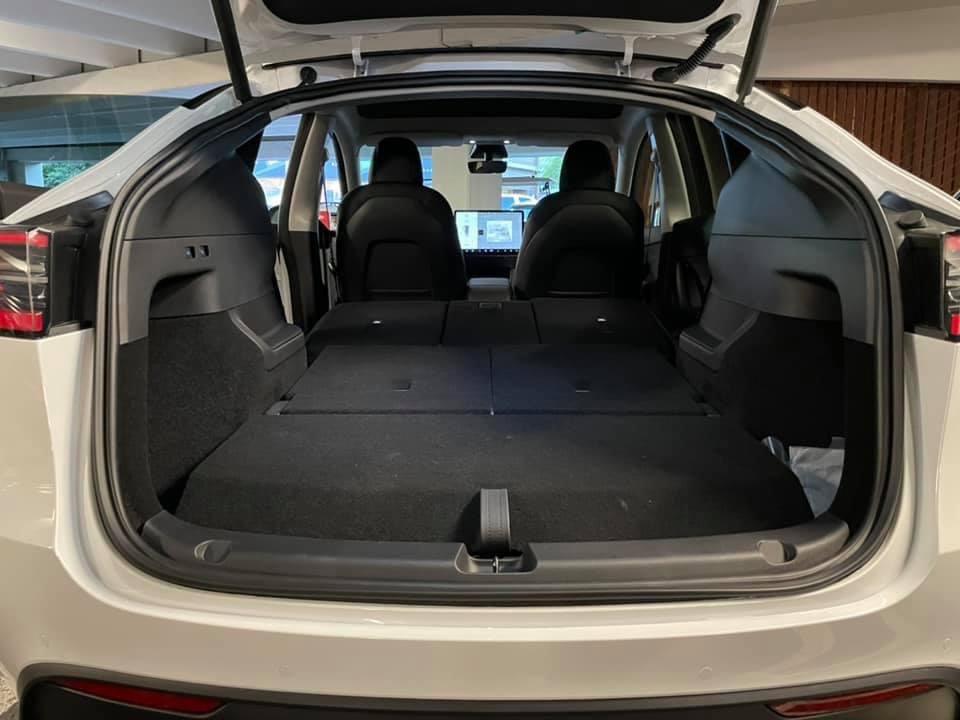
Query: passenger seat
point(396, 239)
point(585, 240)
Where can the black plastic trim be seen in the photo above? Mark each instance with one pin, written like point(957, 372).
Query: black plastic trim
point(776, 139)
point(758, 39)
point(300, 13)
point(231, 49)
point(35, 675)
point(441, 572)
point(485, 50)
point(80, 209)
point(206, 286)
point(892, 201)
point(195, 102)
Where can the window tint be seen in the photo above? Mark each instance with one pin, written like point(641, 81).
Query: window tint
point(648, 189)
point(273, 157)
point(46, 140)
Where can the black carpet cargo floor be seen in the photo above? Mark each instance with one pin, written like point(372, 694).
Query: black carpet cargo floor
point(571, 477)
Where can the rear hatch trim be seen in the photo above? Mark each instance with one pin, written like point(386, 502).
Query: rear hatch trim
point(251, 29)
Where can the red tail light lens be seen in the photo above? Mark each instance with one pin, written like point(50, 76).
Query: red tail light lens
point(24, 280)
point(143, 697)
point(850, 701)
point(951, 283)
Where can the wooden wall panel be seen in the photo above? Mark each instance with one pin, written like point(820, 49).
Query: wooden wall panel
point(916, 125)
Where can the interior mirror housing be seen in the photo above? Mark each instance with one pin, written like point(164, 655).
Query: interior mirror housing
point(488, 159)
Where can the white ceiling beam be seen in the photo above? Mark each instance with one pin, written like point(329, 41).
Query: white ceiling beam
point(13, 78)
point(194, 17)
point(25, 64)
point(56, 15)
point(64, 46)
point(160, 78)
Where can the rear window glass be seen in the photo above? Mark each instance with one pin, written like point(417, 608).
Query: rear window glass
point(46, 140)
point(297, 11)
point(533, 172)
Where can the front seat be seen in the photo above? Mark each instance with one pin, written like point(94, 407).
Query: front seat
point(585, 240)
point(397, 239)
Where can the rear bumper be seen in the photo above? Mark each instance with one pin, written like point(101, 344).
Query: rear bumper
point(57, 614)
point(45, 699)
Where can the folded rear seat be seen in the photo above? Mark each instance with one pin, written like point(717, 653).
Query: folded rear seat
point(390, 379)
point(411, 322)
point(588, 379)
point(490, 323)
point(569, 321)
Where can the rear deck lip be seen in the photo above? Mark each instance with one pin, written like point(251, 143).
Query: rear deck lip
point(441, 582)
point(884, 502)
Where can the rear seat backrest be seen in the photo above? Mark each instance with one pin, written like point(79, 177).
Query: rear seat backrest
point(585, 240)
point(397, 239)
point(551, 321)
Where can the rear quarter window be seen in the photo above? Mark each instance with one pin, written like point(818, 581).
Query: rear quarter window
point(46, 140)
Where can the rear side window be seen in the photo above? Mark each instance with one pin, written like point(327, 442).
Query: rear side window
point(273, 158)
point(46, 140)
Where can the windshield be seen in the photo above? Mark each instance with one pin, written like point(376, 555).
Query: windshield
point(46, 140)
point(533, 172)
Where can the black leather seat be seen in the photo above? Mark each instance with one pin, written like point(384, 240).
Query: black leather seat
point(585, 240)
point(397, 239)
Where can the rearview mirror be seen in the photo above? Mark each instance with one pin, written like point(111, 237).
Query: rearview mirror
point(488, 159)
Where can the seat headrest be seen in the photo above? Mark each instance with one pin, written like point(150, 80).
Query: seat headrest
point(587, 166)
point(396, 160)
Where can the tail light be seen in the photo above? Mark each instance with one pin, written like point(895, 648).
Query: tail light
point(930, 269)
point(951, 284)
point(815, 707)
point(24, 280)
point(143, 697)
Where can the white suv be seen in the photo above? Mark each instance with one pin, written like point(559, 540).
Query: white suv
point(677, 444)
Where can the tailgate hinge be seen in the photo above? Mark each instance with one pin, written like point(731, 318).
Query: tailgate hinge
point(623, 66)
point(360, 64)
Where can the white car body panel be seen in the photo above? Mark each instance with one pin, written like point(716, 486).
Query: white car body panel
point(80, 604)
point(77, 602)
point(261, 31)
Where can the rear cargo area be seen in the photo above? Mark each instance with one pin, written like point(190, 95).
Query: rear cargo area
point(384, 414)
point(409, 409)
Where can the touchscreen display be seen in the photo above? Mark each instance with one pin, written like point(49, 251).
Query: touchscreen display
point(490, 231)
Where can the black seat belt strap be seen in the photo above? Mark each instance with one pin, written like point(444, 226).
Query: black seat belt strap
point(494, 534)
